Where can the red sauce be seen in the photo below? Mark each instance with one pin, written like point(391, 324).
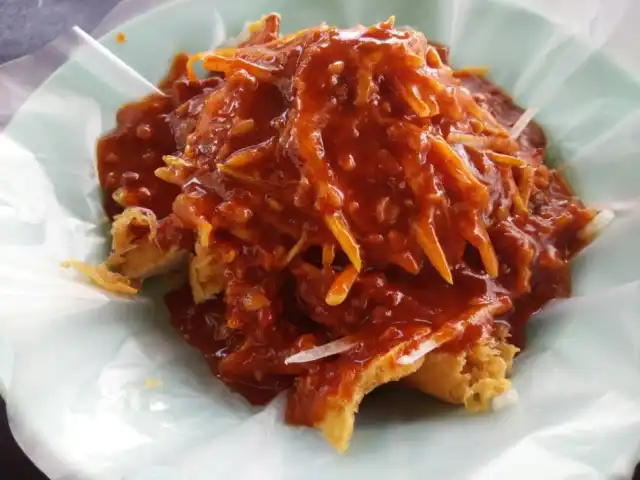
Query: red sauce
point(325, 126)
point(145, 132)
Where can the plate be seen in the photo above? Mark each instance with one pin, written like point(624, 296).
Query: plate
point(100, 387)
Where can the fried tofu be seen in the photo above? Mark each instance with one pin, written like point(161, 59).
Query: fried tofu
point(206, 273)
point(338, 408)
point(136, 252)
point(471, 377)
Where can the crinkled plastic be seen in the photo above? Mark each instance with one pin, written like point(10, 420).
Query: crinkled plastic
point(99, 386)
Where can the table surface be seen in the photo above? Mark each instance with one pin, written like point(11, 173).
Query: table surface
point(25, 26)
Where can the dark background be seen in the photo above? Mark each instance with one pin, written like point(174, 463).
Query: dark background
point(25, 26)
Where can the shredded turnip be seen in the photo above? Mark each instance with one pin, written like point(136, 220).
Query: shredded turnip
point(322, 351)
point(617, 206)
point(420, 352)
point(448, 332)
point(243, 36)
point(507, 399)
point(522, 122)
point(596, 225)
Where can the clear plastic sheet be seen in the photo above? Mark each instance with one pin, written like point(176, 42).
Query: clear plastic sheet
point(100, 387)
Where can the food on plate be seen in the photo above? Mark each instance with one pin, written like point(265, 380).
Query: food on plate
point(348, 210)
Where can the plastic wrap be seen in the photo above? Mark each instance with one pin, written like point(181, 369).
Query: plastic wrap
point(98, 386)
